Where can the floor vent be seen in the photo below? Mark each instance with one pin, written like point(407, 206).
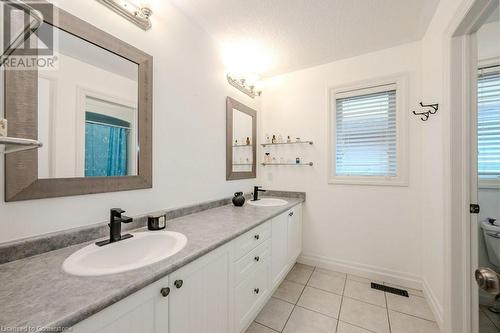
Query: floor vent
point(391, 290)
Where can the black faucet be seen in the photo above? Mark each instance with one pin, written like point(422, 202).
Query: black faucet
point(115, 227)
point(256, 191)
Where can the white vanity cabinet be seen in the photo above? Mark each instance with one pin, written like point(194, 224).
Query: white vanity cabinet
point(279, 248)
point(294, 233)
point(221, 292)
point(146, 311)
point(251, 271)
point(286, 243)
point(200, 295)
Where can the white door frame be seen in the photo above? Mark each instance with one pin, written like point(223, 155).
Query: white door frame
point(461, 301)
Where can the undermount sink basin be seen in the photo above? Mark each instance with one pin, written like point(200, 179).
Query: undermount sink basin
point(143, 249)
point(268, 202)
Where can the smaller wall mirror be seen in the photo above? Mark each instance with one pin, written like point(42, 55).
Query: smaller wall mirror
point(241, 139)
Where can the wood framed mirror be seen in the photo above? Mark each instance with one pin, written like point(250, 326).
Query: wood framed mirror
point(241, 141)
point(92, 110)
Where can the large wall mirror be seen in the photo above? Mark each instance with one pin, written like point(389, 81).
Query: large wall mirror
point(92, 111)
point(241, 139)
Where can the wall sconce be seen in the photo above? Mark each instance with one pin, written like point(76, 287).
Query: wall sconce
point(139, 15)
point(241, 85)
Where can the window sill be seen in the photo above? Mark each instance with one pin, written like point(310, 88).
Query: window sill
point(371, 181)
point(489, 184)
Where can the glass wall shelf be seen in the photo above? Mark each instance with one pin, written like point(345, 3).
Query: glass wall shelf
point(287, 143)
point(12, 145)
point(291, 164)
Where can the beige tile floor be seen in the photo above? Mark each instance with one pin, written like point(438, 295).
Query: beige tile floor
point(314, 300)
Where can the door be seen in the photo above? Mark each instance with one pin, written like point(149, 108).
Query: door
point(146, 311)
point(294, 233)
point(279, 248)
point(485, 180)
point(199, 299)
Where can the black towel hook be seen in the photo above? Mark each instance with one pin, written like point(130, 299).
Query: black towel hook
point(424, 116)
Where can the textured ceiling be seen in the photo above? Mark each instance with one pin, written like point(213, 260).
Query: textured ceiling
point(288, 35)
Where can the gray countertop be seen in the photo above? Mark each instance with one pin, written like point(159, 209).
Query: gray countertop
point(36, 292)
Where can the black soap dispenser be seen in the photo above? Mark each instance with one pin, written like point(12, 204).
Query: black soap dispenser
point(238, 199)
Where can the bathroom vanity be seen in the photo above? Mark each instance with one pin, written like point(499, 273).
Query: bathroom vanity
point(234, 259)
point(223, 291)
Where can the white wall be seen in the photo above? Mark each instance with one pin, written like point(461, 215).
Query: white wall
point(188, 124)
point(369, 228)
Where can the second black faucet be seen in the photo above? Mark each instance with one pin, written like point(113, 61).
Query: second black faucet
point(256, 191)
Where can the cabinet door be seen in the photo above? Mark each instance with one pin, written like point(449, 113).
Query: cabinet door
point(294, 233)
point(279, 246)
point(199, 300)
point(146, 311)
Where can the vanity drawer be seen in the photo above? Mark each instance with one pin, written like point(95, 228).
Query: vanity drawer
point(255, 259)
point(250, 296)
point(252, 239)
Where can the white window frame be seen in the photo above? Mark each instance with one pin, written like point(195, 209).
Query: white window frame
point(401, 179)
point(482, 182)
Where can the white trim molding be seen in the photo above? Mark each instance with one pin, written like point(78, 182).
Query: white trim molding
point(399, 278)
point(436, 307)
point(460, 57)
point(400, 81)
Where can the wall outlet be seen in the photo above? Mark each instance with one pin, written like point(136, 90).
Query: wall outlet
point(3, 127)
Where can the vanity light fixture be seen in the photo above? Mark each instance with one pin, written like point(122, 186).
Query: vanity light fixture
point(241, 85)
point(137, 14)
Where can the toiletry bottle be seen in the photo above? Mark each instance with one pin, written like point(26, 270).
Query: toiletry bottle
point(248, 141)
point(280, 139)
point(268, 138)
point(267, 158)
point(274, 139)
point(235, 142)
point(297, 160)
point(288, 140)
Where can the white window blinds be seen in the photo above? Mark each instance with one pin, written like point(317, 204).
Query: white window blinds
point(366, 133)
point(489, 123)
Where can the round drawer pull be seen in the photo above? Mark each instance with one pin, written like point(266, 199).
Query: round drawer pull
point(165, 292)
point(257, 258)
point(256, 291)
point(178, 284)
point(291, 214)
point(257, 237)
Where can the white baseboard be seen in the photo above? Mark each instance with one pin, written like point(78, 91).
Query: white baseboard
point(370, 272)
point(436, 307)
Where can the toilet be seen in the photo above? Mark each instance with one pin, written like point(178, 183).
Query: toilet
point(492, 239)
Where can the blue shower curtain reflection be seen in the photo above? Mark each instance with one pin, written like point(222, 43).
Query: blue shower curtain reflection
point(105, 150)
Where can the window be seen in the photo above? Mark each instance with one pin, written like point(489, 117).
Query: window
point(489, 126)
point(367, 135)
